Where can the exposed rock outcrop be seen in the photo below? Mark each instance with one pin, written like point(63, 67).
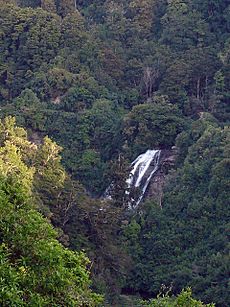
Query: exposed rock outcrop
point(157, 183)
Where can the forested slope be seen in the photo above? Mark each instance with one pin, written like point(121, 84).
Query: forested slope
point(107, 80)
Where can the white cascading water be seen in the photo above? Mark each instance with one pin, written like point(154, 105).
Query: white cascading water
point(143, 169)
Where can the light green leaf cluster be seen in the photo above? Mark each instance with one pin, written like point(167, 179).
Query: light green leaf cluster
point(184, 299)
point(35, 269)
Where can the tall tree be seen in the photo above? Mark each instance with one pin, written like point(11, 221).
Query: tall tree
point(35, 268)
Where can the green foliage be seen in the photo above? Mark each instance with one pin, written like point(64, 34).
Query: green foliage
point(29, 40)
point(65, 7)
point(118, 173)
point(35, 267)
point(90, 169)
point(182, 244)
point(48, 5)
point(104, 127)
point(78, 99)
point(27, 98)
point(184, 299)
point(78, 71)
point(42, 268)
point(183, 27)
point(151, 126)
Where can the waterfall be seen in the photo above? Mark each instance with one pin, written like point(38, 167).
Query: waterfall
point(143, 169)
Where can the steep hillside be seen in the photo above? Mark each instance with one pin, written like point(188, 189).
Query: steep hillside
point(108, 80)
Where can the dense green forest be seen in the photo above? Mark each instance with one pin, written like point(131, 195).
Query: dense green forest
point(85, 87)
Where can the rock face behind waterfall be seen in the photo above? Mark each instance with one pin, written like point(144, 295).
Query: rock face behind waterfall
point(157, 183)
point(147, 177)
point(149, 174)
point(143, 169)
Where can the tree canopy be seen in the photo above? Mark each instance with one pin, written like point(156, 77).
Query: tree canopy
point(94, 84)
point(35, 268)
